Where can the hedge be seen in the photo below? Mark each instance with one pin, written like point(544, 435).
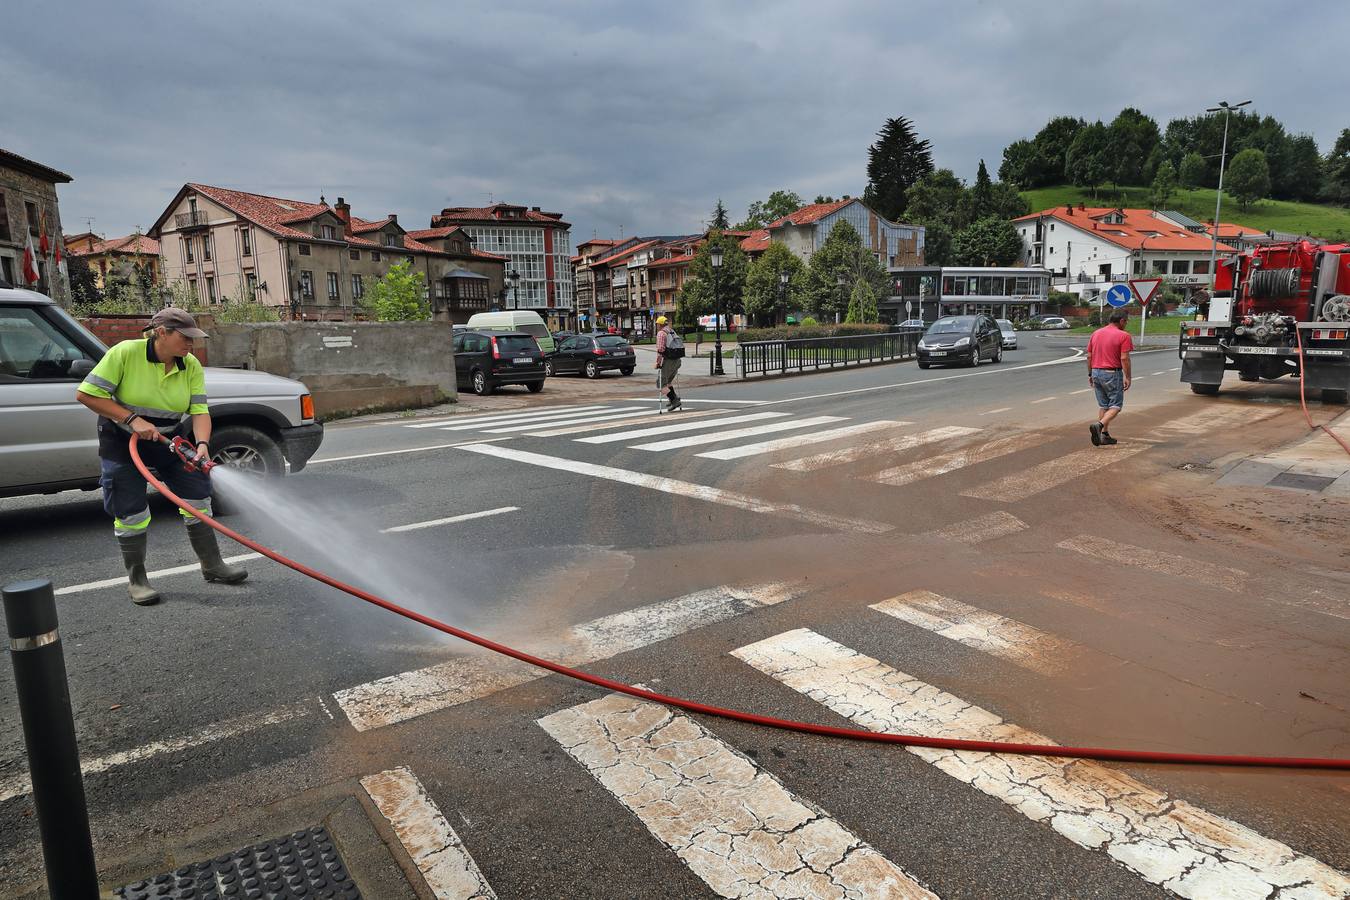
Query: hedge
point(801, 332)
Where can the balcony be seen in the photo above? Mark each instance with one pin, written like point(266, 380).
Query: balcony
point(190, 221)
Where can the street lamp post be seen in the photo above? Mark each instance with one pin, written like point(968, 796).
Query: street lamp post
point(1218, 193)
point(515, 289)
point(782, 290)
point(840, 281)
point(717, 312)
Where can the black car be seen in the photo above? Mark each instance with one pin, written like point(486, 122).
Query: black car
point(968, 340)
point(484, 360)
point(591, 354)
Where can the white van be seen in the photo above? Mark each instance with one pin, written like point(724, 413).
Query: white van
point(515, 320)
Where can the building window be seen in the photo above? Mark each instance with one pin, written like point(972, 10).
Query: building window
point(375, 256)
point(1200, 267)
point(304, 249)
point(358, 287)
point(7, 269)
point(307, 284)
point(30, 210)
point(389, 240)
point(251, 283)
point(187, 249)
point(354, 254)
point(1181, 267)
point(332, 286)
point(192, 287)
point(1139, 267)
point(245, 242)
point(4, 220)
point(329, 233)
point(457, 246)
point(1159, 267)
point(206, 246)
point(210, 289)
point(1052, 251)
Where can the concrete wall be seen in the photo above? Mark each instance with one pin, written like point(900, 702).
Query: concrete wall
point(349, 367)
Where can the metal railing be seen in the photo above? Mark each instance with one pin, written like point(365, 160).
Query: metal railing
point(766, 358)
point(190, 220)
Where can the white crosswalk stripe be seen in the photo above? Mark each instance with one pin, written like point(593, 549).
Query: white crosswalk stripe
point(959, 459)
point(497, 416)
point(981, 528)
point(678, 426)
point(696, 440)
point(1163, 839)
point(1226, 577)
point(732, 823)
point(1218, 415)
point(874, 449)
point(626, 412)
point(607, 426)
point(520, 418)
point(1036, 479)
point(801, 440)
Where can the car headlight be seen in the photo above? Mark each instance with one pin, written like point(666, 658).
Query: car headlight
point(923, 346)
point(964, 342)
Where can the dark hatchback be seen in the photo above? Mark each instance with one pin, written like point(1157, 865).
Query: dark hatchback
point(968, 340)
point(485, 360)
point(591, 354)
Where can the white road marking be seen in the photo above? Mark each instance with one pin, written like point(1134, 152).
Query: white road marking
point(19, 785)
point(950, 462)
point(695, 440)
point(1083, 391)
point(679, 426)
point(623, 412)
point(1001, 409)
point(979, 629)
point(466, 517)
point(1177, 369)
point(605, 426)
point(733, 824)
point(1226, 577)
point(1021, 485)
point(1163, 839)
point(684, 489)
point(407, 695)
point(695, 400)
point(158, 573)
point(1163, 372)
point(539, 415)
point(1044, 400)
point(1218, 415)
point(875, 449)
point(435, 849)
point(333, 459)
point(455, 420)
point(800, 440)
point(981, 528)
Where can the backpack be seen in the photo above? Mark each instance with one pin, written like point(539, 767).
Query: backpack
point(674, 346)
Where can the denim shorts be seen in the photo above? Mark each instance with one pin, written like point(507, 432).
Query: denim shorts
point(1110, 387)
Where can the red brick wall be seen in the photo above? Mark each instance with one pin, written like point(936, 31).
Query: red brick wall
point(115, 329)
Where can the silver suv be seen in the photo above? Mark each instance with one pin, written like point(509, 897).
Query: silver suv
point(48, 441)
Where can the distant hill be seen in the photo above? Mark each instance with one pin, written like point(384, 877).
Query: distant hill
point(1329, 222)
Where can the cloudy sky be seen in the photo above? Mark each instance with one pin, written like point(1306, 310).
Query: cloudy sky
point(627, 117)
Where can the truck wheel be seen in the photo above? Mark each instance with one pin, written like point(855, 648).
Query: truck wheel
point(1204, 389)
point(245, 447)
point(1335, 397)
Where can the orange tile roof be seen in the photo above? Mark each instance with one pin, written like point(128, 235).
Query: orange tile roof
point(671, 261)
point(811, 213)
point(1141, 229)
point(757, 241)
point(624, 254)
point(490, 215)
point(271, 213)
point(131, 244)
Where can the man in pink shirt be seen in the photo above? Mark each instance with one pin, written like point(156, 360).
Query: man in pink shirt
point(1108, 360)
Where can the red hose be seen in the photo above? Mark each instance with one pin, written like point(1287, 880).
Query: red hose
point(1303, 396)
point(909, 740)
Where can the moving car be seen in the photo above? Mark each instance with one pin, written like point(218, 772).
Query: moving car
point(1009, 333)
point(523, 320)
point(1048, 322)
point(591, 354)
point(968, 340)
point(48, 440)
point(486, 360)
point(912, 323)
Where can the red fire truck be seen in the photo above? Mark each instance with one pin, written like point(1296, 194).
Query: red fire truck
point(1266, 302)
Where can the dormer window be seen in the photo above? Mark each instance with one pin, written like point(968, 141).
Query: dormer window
point(390, 240)
point(329, 233)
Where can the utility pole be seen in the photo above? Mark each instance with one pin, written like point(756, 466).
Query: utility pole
point(1218, 193)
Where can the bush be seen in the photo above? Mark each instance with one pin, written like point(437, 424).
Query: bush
point(803, 331)
point(807, 322)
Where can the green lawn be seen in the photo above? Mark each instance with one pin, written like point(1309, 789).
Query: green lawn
point(1155, 325)
point(1330, 222)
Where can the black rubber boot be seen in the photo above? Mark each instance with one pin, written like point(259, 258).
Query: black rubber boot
point(133, 557)
point(674, 400)
point(203, 540)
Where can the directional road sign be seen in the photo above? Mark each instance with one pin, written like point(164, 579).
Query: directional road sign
point(1118, 295)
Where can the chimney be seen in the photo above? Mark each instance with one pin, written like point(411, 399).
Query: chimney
point(1068, 208)
point(535, 208)
point(1081, 207)
point(393, 217)
point(343, 211)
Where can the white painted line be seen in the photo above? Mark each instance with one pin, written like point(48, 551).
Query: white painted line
point(1177, 369)
point(407, 695)
point(626, 412)
point(801, 440)
point(333, 459)
point(695, 400)
point(1001, 409)
point(732, 823)
point(497, 416)
point(466, 517)
point(981, 528)
point(516, 418)
point(978, 629)
point(696, 440)
point(1044, 400)
point(1219, 415)
point(950, 462)
point(19, 785)
point(1163, 839)
point(1163, 372)
point(875, 449)
point(679, 426)
point(683, 489)
point(1226, 577)
point(436, 850)
point(1021, 485)
point(605, 426)
point(1083, 391)
point(158, 573)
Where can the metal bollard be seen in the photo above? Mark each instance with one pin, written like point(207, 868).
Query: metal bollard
point(49, 737)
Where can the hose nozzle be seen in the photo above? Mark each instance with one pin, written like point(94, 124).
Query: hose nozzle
point(187, 452)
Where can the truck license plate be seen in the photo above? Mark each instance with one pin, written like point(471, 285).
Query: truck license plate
point(1260, 351)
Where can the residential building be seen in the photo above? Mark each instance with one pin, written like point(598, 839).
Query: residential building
point(1087, 249)
point(805, 230)
point(927, 292)
point(538, 249)
point(28, 204)
point(1237, 236)
point(584, 277)
point(120, 257)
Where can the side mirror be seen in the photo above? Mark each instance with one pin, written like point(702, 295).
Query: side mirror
point(81, 367)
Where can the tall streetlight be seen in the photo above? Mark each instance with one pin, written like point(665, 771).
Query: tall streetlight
point(782, 290)
point(717, 312)
point(515, 289)
point(1218, 194)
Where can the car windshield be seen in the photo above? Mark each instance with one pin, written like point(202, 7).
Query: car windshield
point(1004, 324)
point(516, 343)
point(612, 340)
point(954, 325)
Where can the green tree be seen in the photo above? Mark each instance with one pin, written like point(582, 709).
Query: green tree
point(779, 204)
point(841, 256)
point(1304, 168)
point(1021, 165)
point(1164, 184)
point(766, 298)
point(987, 242)
point(1133, 137)
point(83, 289)
point(730, 282)
point(1248, 178)
point(1052, 149)
point(400, 296)
point(1088, 163)
point(822, 198)
point(719, 217)
point(981, 194)
point(862, 303)
point(895, 161)
point(1193, 170)
point(1336, 169)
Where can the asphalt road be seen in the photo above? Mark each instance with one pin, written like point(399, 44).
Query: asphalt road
point(934, 550)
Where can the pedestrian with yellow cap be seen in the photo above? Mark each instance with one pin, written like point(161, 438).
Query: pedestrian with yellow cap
point(669, 353)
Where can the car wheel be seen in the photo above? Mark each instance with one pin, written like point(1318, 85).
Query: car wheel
point(548, 368)
point(998, 354)
point(245, 447)
point(975, 358)
point(626, 370)
point(535, 386)
point(592, 370)
point(1204, 388)
point(481, 385)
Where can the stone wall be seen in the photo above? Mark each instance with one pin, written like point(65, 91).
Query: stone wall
point(115, 329)
point(20, 187)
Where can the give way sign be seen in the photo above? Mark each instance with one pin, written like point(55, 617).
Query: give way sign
point(1144, 289)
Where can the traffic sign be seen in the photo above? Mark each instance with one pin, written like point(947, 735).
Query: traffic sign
point(1118, 295)
point(1145, 288)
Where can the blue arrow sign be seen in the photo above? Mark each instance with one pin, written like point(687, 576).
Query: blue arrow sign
point(1119, 295)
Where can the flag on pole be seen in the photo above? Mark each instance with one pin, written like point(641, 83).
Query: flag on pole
point(30, 267)
point(43, 244)
point(60, 260)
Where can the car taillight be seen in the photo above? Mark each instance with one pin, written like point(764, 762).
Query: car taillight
point(598, 352)
point(496, 354)
point(1328, 335)
point(306, 406)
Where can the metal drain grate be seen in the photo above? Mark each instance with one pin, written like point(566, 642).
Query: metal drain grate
point(300, 866)
point(1301, 482)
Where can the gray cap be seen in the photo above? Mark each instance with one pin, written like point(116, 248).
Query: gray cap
point(175, 319)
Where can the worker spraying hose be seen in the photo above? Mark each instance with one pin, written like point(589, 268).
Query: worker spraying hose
point(154, 389)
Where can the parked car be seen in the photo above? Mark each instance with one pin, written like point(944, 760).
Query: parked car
point(961, 339)
point(1009, 333)
point(48, 441)
point(912, 323)
point(522, 320)
point(591, 354)
point(560, 336)
point(486, 360)
point(1054, 323)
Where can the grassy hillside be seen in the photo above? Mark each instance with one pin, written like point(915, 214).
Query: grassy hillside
point(1330, 222)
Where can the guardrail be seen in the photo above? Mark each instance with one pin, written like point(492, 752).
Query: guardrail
point(766, 358)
